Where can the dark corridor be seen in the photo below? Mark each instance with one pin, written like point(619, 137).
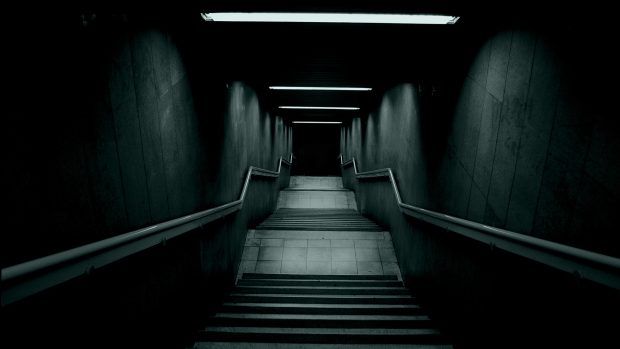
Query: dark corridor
point(315, 147)
point(457, 185)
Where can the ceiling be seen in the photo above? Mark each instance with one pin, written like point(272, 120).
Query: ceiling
point(370, 55)
point(335, 55)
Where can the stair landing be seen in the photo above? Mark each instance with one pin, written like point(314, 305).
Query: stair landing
point(318, 230)
point(319, 252)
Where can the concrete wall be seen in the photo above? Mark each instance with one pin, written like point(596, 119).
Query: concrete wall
point(106, 138)
point(526, 140)
point(529, 146)
point(117, 123)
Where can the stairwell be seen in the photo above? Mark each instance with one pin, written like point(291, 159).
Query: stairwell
point(317, 274)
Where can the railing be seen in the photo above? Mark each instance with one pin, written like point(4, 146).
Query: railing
point(25, 279)
point(585, 264)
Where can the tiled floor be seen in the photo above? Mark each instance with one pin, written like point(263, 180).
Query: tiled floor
point(319, 252)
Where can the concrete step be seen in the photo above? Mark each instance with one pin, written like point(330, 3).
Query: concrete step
point(321, 335)
point(318, 219)
point(342, 228)
point(318, 309)
point(324, 317)
point(247, 276)
point(279, 306)
point(321, 290)
point(254, 345)
point(322, 299)
point(327, 321)
point(317, 234)
point(320, 283)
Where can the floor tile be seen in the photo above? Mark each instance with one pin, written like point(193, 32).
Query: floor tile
point(252, 242)
point(366, 254)
point(270, 253)
point(294, 267)
point(343, 254)
point(390, 268)
point(294, 253)
point(268, 267)
point(319, 267)
point(366, 243)
point(369, 268)
point(250, 253)
point(387, 255)
point(295, 243)
point(319, 254)
point(247, 267)
point(319, 243)
point(342, 243)
point(272, 242)
point(344, 267)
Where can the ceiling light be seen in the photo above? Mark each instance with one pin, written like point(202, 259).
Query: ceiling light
point(318, 108)
point(310, 17)
point(317, 122)
point(317, 88)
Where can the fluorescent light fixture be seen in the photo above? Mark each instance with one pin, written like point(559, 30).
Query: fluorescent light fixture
point(317, 108)
point(317, 122)
point(317, 88)
point(312, 17)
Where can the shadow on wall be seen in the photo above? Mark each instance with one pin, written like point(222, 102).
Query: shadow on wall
point(110, 134)
point(530, 146)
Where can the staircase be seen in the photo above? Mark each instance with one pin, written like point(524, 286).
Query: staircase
point(327, 310)
point(317, 274)
point(318, 219)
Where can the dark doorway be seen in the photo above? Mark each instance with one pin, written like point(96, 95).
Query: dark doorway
point(316, 148)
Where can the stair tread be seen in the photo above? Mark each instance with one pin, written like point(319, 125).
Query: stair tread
point(255, 345)
point(321, 330)
point(321, 283)
point(353, 296)
point(321, 290)
point(310, 337)
point(322, 316)
point(318, 219)
point(323, 306)
point(318, 276)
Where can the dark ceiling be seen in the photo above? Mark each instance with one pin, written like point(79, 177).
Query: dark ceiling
point(371, 55)
point(377, 56)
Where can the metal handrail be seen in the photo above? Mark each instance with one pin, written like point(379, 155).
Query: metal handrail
point(585, 264)
point(33, 276)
